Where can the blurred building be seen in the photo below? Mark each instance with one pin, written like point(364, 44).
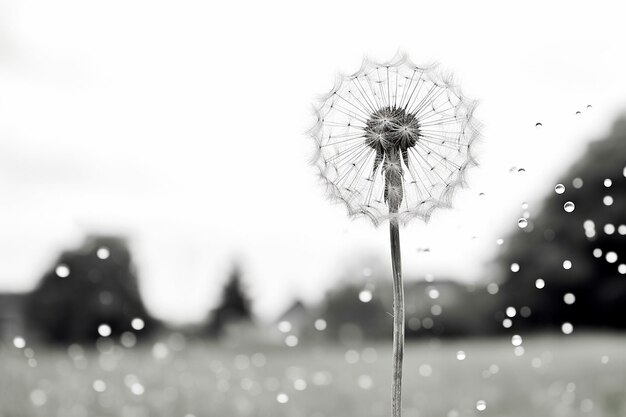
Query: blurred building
point(12, 315)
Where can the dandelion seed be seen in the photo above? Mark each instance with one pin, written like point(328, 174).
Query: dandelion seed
point(393, 142)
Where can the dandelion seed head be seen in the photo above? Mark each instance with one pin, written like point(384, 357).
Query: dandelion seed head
point(394, 141)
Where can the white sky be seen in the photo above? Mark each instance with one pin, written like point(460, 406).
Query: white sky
point(182, 125)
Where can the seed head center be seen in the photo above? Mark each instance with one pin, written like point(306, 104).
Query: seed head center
point(391, 129)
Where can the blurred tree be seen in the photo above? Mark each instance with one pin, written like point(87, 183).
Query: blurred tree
point(591, 237)
point(234, 307)
point(86, 288)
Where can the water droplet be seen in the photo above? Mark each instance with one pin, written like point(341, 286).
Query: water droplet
point(609, 229)
point(365, 382)
point(62, 271)
point(103, 253)
point(514, 267)
point(499, 241)
point(104, 330)
point(567, 328)
point(539, 283)
point(569, 298)
point(160, 350)
point(569, 207)
point(137, 323)
point(425, 370)
point(320, 324)
point(559, 188)
point(608, 182)
point(291, 340)
point(516, 340)
point(507, 323)
point(128, 340)
point(578, 113)
point(137, 388)
point(99, 385)
point(282, 398)
point(493, 288)
point(611, 257)
point(481, 405)
point(577, 183)
point(365, 296)
point(597, 253)
point(19, 342)
point(510, 311)
point(607, 200)
point(433, 293)
point(622, 229)
point(589, 106)
point(284, 326)
point(538, 124)
point(621, 269)
point(351, 356)
point(524, 206)
point(522, 223)
point(460, 355)
point(38, 397)
point(567, 264)
point(521, 170)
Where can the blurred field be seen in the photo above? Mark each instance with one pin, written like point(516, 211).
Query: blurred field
point(555, 376)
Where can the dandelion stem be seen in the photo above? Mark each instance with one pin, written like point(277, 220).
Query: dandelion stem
point(398, 319)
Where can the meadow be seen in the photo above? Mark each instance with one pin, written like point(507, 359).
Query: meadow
point(575, 375)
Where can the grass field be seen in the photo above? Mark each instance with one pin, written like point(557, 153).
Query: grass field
point(582, 375)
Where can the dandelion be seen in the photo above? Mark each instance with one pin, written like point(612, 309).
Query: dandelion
point(393, 142)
